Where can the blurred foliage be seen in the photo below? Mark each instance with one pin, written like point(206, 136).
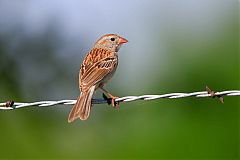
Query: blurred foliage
point(31, 69)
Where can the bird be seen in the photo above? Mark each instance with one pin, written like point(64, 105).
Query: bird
point(96, 70)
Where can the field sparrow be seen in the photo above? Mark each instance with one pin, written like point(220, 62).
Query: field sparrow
point(97, 68)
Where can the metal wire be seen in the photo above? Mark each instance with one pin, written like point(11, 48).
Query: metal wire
point(15, 105)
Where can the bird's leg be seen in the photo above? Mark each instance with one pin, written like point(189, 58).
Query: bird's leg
point(114, 103)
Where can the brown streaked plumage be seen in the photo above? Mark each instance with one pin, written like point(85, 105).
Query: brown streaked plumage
point(97, 68)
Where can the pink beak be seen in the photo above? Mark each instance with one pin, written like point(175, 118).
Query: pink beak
point(122, 40)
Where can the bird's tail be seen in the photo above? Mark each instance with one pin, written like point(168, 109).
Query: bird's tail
point(83, 106)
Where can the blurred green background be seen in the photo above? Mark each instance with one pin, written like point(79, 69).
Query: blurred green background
point(174, 46)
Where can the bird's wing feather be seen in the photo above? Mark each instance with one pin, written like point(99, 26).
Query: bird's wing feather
point(96, 72)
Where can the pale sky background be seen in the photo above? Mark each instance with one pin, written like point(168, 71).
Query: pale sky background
point(149, 25)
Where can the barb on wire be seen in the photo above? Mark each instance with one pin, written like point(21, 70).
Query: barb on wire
point(209, 93)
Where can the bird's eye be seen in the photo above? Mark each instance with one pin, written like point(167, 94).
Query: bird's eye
point(112, 39)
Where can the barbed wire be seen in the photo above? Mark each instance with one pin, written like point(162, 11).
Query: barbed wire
point(209, 93)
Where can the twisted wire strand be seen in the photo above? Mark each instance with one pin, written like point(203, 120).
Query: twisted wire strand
point(16, 105)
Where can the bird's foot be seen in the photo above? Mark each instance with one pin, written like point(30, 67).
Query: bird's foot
point(112, 101)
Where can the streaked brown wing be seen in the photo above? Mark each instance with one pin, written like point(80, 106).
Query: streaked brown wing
point(95, 73)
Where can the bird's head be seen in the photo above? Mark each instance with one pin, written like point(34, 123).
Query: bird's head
point(112, 42)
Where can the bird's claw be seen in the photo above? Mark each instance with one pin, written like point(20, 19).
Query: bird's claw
point(112, 101)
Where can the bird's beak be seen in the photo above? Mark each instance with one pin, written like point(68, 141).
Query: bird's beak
point(122, 40)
